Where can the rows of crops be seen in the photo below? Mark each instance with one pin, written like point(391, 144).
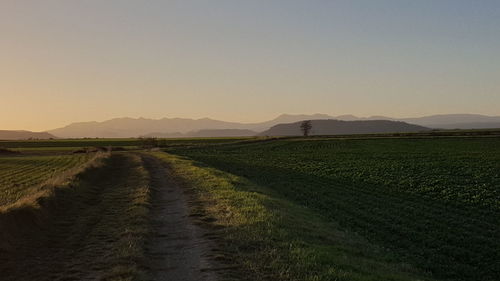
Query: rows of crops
point(19, 175)
point(132, 142)
point(433, 202)
point(69, 143)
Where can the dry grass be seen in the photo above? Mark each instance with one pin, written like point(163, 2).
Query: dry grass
point(265, 237)
point(93, 228)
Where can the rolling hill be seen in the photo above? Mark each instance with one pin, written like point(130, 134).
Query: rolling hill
point(456, 121)
point(24, 135)
point(339, 127)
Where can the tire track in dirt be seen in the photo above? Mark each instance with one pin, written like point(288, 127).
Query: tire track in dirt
point(177, 250)
point(98, 229)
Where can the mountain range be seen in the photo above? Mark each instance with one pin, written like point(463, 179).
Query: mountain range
point(206, 127)
point(167, 127)
point(206, 133)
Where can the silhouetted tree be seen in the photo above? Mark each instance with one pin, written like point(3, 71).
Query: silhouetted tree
point(306, 127)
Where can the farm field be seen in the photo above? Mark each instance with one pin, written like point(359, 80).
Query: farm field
point(109, 222)
point(266, 237)
point(82, 232)
point(27, 164)
point(23, 175)
point(126, 143)
point(433, 203)
point(32, 163)
point(295, 209)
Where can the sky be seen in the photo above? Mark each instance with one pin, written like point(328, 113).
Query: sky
point(68, 61)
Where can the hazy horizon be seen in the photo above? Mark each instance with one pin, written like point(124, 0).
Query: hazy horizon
point(65, 62)
point(241, 122)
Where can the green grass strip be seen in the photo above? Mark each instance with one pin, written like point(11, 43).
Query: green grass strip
point(265, 237)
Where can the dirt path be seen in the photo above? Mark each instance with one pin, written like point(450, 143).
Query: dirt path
point(177, 250)
point(99, 229)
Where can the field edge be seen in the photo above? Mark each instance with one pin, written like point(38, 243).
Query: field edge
point(264, 237)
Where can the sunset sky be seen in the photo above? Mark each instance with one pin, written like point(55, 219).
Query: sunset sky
point(66, 61)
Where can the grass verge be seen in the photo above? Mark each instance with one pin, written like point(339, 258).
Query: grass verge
point(265, 237)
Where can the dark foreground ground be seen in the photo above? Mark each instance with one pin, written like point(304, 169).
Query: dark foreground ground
point(432, 203)
point(124, 220)
point(308, 209)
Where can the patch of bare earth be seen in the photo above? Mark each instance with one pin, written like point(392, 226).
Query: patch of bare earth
point(177, 249)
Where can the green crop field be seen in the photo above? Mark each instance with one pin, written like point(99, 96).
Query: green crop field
point(357, 208)
point(132, 142)
point(21, 175)
point(433, 203)
point(97, 226)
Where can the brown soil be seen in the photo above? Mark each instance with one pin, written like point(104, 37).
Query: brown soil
point(177, 250)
